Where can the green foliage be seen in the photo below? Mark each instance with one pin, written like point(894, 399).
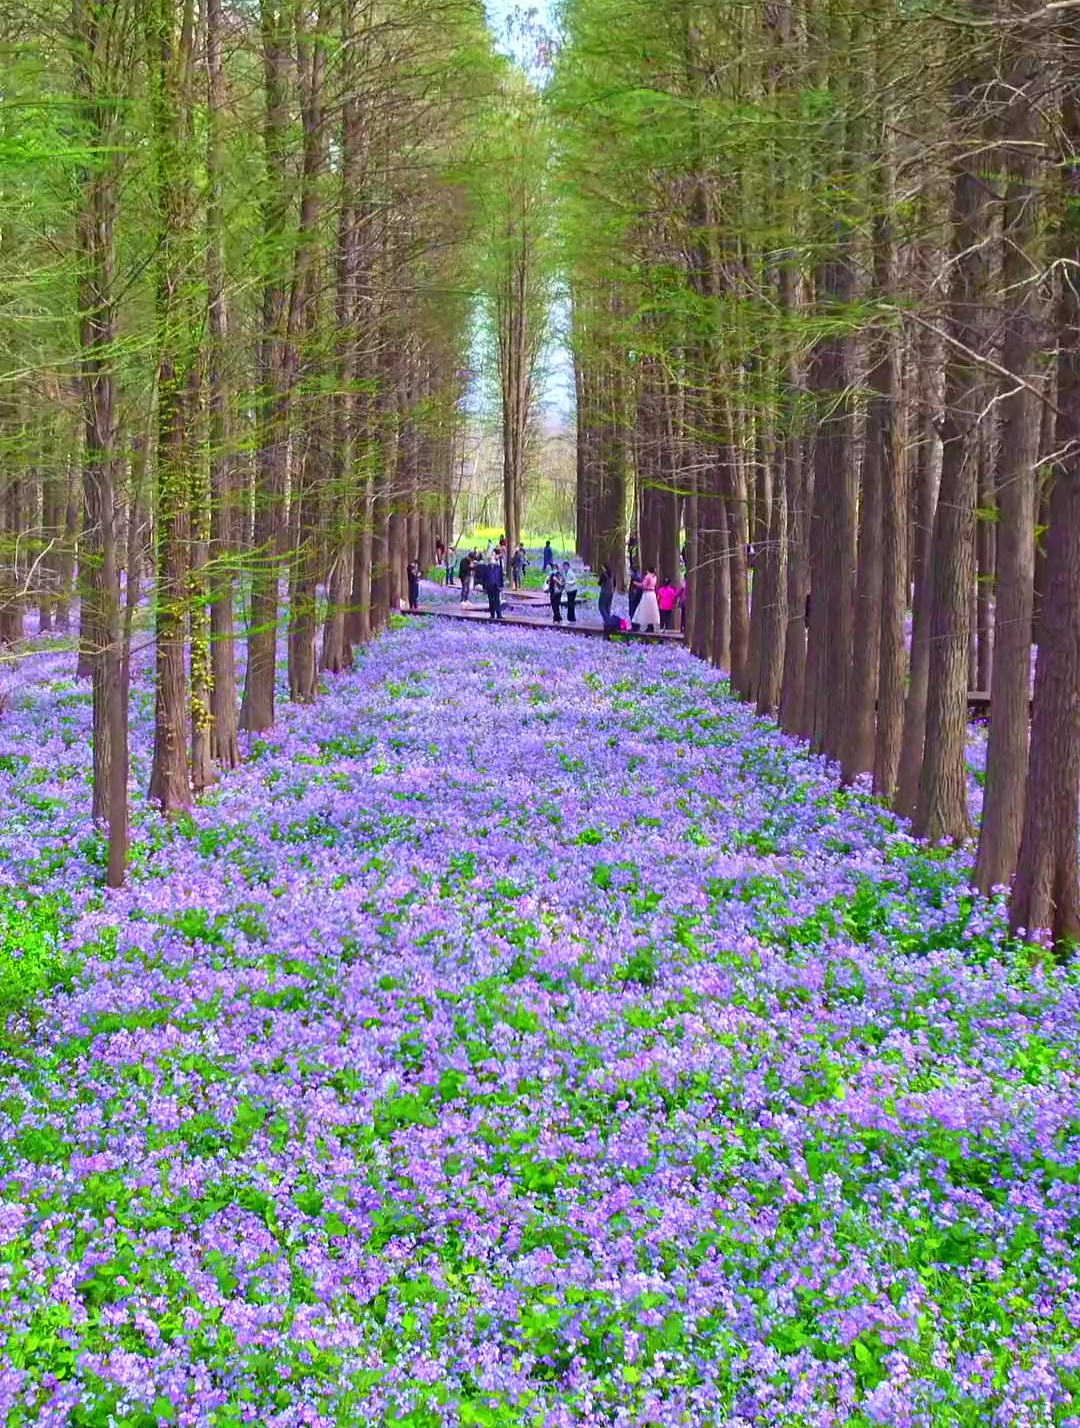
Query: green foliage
point(33, 958)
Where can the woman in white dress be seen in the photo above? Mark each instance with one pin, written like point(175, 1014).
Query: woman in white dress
point(647, 614)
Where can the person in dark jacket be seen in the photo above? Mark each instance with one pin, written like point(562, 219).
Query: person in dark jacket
point(554, 587)
point(414, 584)
point(549, 557)
point(518, 565)
point(634, 591)
point(465, 570)
point(493, 584)
point(607, 592)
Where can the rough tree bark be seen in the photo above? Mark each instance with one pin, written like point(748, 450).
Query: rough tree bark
point(305, 360)
point(1010, 684)
point(1046, 896)
point(225, 743)
point(257, 706)
point(927, 480)
point(941, 812)
point(97, 91)
point(169, 42)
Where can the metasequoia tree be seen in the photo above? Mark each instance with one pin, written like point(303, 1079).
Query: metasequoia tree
point(843, 297)
point(1019, 306)
point(942, 808)
point(515, 277)
point(101, 61)
point(225, 745)
point(169, 37)
point(255, 236)
point(1046, 896)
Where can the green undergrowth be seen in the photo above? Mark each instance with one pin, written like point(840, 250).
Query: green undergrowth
point(33, 957)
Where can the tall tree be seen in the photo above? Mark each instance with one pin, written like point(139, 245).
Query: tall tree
point(170, 45)
point(942, 809)
point(1046, 894)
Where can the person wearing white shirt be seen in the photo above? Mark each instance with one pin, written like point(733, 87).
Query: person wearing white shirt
point(570, 591)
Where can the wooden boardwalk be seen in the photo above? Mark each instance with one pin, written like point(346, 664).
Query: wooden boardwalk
point(479, 615)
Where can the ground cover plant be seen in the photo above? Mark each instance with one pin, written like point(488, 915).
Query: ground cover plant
point(524, 1035)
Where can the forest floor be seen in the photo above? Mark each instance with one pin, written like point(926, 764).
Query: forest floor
point(524, 1035)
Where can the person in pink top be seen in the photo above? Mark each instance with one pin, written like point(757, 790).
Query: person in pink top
point(665, 598)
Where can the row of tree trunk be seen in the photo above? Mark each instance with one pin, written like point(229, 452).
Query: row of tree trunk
point(271, 353)
point(876, 487)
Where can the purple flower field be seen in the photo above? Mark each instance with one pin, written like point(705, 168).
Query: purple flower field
point(526, 1035)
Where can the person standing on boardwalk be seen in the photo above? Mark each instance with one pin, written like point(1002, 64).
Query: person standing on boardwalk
point(554, 587)
point(518, 566)
point(680, 604)
point(607, 592)
point(549, 557)
point(569, 580)
point(665, 598)
point(493, 584)
point(648, 611)
point(465, 570)
point(448, 565)
point(414, 584)
point(634, 591)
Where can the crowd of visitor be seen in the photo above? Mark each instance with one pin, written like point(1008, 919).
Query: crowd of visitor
point(655, 602)
point(473, 566)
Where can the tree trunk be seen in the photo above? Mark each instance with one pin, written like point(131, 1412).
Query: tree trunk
point(875, 694)
point(65, 561)
point(1045, 892)
point(305, 355)
point(794, 477)
point(860, 721)
point(985, 559)
point(926, 496)
point(894, 580)
point(257, 707)
point(1010, 681)
point(832, 546)
point(942, 809)
point(96, 87)
point(773, 627)
point(11, 533)
point(735, 538)
point(225, 742)
point(169, 57)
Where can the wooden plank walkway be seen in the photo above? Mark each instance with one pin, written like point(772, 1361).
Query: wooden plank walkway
point(479, 615)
